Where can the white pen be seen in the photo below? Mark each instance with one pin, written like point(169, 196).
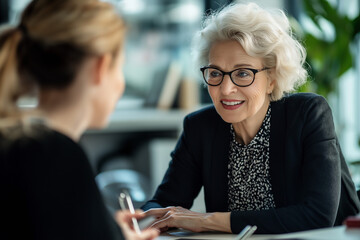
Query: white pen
point(246, 232)
point(126, 197)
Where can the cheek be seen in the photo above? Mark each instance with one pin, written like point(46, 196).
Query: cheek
point(256, 97)
point(100, 110)
point(120, 85)
point(213, 92)
point(256, 93)
point(116, 86)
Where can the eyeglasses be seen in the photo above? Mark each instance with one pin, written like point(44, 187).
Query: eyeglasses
point(241, 77)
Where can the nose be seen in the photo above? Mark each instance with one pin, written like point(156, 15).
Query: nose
point(227, 86)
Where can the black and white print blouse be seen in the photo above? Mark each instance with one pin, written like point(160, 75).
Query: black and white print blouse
point(248, 171)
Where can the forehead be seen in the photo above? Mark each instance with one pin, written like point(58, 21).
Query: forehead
point(229, 53)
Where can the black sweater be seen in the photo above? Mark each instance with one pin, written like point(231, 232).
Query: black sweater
point(48, 189)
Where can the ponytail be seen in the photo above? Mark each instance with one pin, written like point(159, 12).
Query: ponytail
point(47, 49)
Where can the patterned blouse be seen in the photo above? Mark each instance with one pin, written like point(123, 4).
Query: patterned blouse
point(248, 171)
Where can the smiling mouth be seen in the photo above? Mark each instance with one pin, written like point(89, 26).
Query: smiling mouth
point(232, 103)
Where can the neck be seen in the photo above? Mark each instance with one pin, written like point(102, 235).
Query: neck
point(246, 130)
point(69, 119)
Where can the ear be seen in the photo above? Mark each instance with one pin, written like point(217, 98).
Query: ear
point(102, 66)
point(271, 81)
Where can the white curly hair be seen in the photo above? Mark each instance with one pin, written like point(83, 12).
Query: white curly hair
point(262, 33)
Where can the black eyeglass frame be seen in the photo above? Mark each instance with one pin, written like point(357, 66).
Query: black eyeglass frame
point(255, 71)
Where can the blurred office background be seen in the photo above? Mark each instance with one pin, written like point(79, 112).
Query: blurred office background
point(163, 84)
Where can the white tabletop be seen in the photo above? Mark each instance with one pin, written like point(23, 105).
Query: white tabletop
point(335, 233)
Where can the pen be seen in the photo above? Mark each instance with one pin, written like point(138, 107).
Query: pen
point(126, 197)
point(246, 232)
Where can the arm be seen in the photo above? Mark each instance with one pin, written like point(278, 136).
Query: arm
point(180, 186)
point(183, 179)
point(319, 189)
point(183, 218)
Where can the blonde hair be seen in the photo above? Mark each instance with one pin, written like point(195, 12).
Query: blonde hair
point(53, 39)
point(265, 34)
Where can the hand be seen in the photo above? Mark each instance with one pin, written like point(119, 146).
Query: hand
point(124, 219)
point(179, 217)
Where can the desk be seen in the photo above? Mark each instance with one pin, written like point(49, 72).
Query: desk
point(335, 233)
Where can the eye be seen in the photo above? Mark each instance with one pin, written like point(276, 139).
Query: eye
point(214, 73)
point(242, 74)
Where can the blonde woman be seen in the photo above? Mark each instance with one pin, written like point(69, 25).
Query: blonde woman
point(263, 157)
point(70, 52)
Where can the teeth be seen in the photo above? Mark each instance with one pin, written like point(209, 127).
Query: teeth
point(232, 103)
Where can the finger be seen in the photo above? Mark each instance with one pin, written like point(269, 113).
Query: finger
point(157, 211)
point(123, 215)
point(139, 211)
point(125, 226)
point(124, 220)
point(167, 215)
point(179, 208)
point(119, 215)
point(127, 215)
point(179, 211)
point(179, 216)
point(138, 215)
point(163, 223)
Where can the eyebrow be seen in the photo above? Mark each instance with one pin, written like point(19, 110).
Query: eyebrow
point(242, 65)
point(235, 66)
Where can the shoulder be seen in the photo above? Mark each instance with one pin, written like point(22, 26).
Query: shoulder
point(44, 158)
point(305, 114)
point(302, 110)
point(38, 143)
point(35, 135)
point(302, 102)
point(300, 98)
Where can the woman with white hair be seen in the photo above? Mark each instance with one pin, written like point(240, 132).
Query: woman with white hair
point(264, 157)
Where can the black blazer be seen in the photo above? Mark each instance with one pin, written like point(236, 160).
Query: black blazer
point(310, 180)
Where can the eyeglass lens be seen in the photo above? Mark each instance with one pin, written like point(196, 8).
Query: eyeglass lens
point(241, 77)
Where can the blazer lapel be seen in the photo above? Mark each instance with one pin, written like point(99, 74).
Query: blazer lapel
point(277, 147)
point(218, 169)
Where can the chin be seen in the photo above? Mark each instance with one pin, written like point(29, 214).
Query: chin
point(231, 117)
